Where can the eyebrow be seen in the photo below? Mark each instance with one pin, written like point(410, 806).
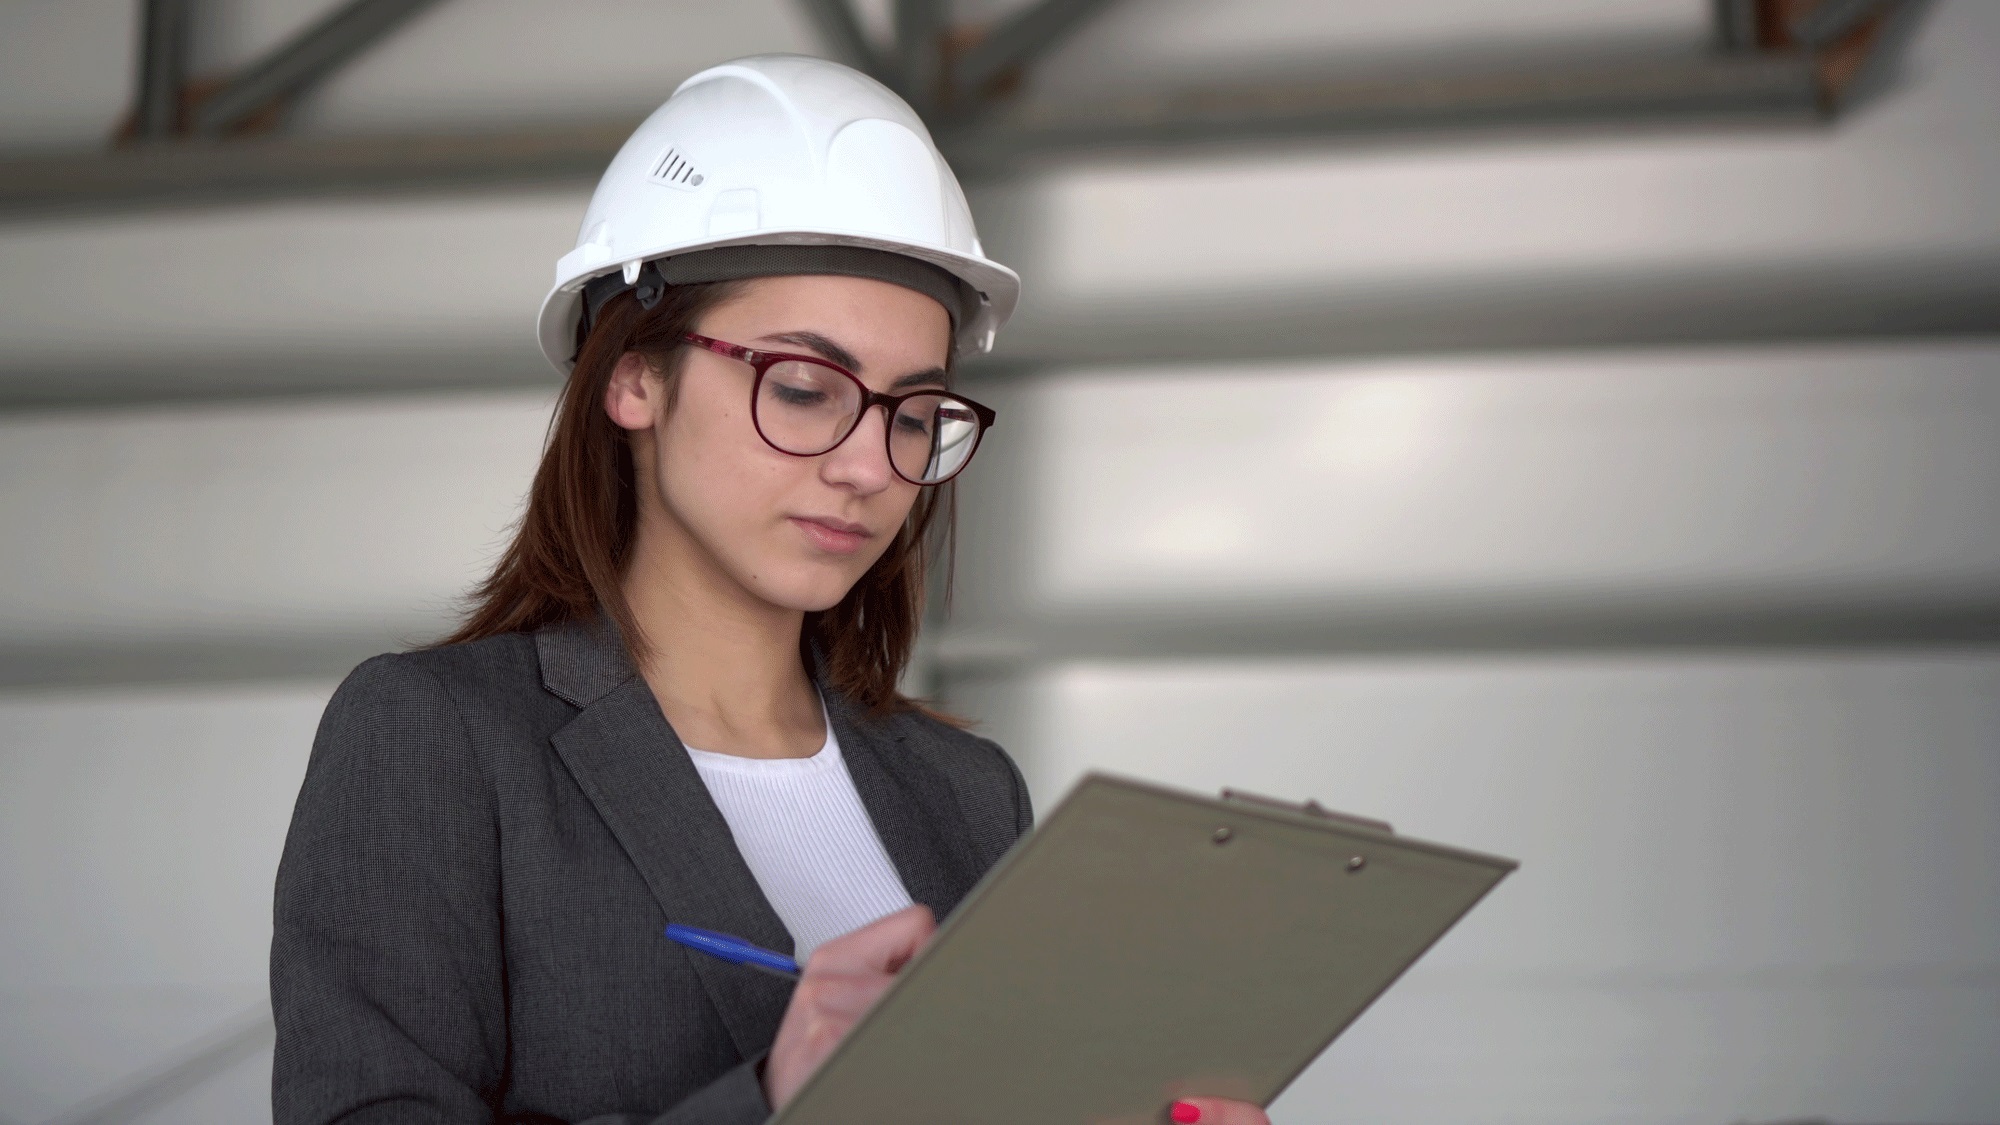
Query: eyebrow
point(827, 348)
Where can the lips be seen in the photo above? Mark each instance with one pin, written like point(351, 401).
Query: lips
point(834, 536)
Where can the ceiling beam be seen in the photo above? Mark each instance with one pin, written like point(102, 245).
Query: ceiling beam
point(1702, 88)
point(1305, 630)
point(958, 652)
point(211, 173)
point(1918, 295)
point(307, 60)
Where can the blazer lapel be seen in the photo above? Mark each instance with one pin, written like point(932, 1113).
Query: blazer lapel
point(635, 771)
point(914, 809)
point(637, 774)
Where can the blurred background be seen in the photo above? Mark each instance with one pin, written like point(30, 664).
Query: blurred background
point(1565, 428)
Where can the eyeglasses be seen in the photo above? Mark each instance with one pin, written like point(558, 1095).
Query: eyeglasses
point(806, 406)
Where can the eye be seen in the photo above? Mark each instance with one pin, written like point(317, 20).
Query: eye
point(796, 396)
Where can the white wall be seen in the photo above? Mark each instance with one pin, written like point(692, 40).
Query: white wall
point(257, 522)
point(1353, 496)
point(1630, 617)
point(1754, 886)
point(139, 836)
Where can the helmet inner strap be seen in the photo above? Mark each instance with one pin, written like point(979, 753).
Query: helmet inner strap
point(737, 263)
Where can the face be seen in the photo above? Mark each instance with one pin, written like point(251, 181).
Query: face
point(719, 504)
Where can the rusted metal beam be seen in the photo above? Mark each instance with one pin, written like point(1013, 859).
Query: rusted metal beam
point(307, 60)
point(1017, 40)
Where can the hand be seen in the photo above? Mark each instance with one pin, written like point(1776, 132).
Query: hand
point(1216, 1111)
point(842, 980)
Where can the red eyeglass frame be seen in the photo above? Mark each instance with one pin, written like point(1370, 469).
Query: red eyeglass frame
point(762, 361)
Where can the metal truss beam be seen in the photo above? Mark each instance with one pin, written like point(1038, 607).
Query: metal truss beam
point(241, 1039)
point(309, 59)
point(1886, 43)
point(1019, 39)
point(1736, 25)
point(1703, 89)
point(163, 60)
point(840, 31)
point(1833, 19)
point(920, 28)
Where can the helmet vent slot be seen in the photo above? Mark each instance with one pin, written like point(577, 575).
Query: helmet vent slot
point(675, 170)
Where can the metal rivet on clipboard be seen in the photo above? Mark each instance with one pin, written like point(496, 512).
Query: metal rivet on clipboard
point(1355, 864)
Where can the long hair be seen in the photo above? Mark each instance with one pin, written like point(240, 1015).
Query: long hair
point(570, 552)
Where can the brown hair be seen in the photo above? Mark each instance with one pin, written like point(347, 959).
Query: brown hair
point(572, 546)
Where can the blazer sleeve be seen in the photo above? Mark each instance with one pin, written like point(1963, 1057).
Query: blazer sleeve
point(387, 982)
point(1024, 807)
point(736, 1098)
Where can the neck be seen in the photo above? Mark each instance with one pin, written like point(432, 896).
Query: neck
point(723, 663)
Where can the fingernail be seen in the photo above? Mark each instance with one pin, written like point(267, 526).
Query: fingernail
point(1187, 1113)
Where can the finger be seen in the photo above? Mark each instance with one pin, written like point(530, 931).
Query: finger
point(845, 993)
point(1216, 1111)
point(882, 946)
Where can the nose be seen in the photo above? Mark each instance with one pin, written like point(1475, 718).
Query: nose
point(862, 461)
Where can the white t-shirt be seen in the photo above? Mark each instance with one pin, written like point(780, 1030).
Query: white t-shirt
point(801, 827)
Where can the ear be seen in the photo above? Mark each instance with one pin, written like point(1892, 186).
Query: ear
point(632, 397)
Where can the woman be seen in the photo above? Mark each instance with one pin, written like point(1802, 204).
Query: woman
point(675, 698)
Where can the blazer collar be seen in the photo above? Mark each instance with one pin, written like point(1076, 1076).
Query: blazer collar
point(584, 660)
point(637, 774)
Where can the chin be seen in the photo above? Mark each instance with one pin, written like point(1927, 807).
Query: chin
point(806, 591)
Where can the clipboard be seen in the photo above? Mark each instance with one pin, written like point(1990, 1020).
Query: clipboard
point(1143, 944)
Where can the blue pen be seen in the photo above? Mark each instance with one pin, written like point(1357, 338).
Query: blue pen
point(734, 950)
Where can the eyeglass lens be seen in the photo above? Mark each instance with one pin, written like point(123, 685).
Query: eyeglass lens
point(806, 409)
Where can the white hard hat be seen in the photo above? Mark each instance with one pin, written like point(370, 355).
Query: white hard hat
point(780, 151)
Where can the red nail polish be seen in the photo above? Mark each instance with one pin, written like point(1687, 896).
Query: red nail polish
point(1186, 1113)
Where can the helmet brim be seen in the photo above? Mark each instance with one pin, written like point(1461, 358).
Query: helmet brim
point(998, 286)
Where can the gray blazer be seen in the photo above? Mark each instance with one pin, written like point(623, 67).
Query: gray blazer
point(489, 841)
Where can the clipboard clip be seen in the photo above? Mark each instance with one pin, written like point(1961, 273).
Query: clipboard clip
point(1309, 807)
